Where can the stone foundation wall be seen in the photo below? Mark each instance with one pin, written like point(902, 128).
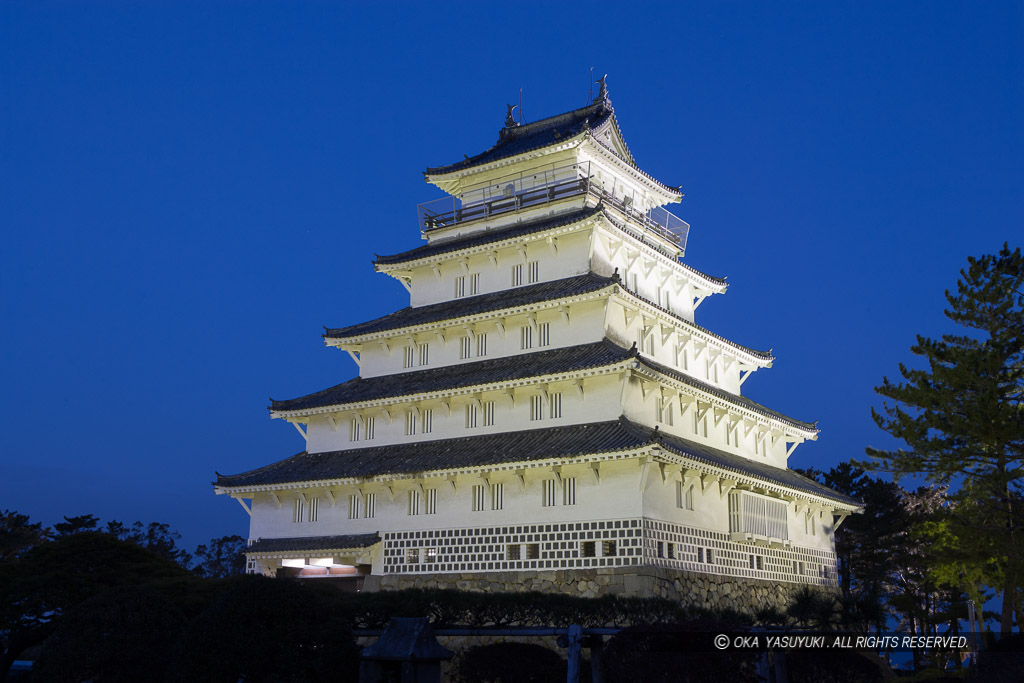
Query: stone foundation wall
point(692, 589)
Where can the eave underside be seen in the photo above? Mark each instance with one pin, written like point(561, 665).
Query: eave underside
point(574, 443)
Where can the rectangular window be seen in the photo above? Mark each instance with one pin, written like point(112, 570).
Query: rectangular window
point(488, 413)
point(517, 275)
point(659, 549)
point(544, 334)
point(663, 411)
point(533, 271)
point(634, 283)
point(460, 286)
point(670, 550)
point(684, 496)
point(497, 496)
point(431, 506)
point(370, 505)
point(700, 555)
point(314, 509)
point(710, 555)
point(414, 502)
point(410, 423)
point(430, 555)
point(712, 370)
point(465, 347)
point(481, 344)
point(532, 551)
point(424, 354)
point(750, 562)
point(412, 556)
point(370, 424)
point(408, 354)
point(760, 562)
point(648, 345)
point(478, 497)
point(428, 421)
point(471, 415)
point(354, 429)
point(568, 490)
point(353, 506)
point(589, 549)
point(555, 405)
point(299, 514)
point(513, 551)
point(549, 492)
point(758, 515)
point(763, 446)
point(474, 283)
point(536, 407)
point(526, 337)
point(700, 422)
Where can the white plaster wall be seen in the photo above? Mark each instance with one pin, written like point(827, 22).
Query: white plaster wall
point(710, 511)
point(430, 286)
point(600, 403)
point(616, 496)
point(586, 325)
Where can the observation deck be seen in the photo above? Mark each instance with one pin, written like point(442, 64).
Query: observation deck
point(537, 187)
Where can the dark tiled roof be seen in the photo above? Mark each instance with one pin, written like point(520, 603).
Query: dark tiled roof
point(754, 468)
point(766, 355)
point(458, 308)
point(536, 135)
point(524, 446)
point(489, 236)
point(297, 545)
point(729, 396)
point(443, 454)
point(449, 377)
point(537, 364)
point(595, 118)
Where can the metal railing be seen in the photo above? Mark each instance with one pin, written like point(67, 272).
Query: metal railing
point(537, 187)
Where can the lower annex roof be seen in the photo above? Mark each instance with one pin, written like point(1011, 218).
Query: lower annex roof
point(573, 441)
point(313, 543)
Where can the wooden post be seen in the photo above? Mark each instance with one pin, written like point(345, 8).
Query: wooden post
point(575, 638)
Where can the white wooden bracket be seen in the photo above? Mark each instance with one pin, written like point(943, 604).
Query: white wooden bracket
point(245, 507)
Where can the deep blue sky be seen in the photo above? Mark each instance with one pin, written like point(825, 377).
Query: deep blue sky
point(189, 191)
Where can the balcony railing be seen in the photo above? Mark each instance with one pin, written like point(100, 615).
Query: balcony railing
point(536, 188)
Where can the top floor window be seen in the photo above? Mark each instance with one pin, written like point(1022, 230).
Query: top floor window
point(474, 283)
point(533, 271)
point(517, 275)
point(460, 286)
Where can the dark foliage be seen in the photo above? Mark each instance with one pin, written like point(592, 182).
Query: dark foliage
point(669, 652)
point(156, 537)
point(18, 534)
point(268, 630)
point(120, 636)
point(73, 525)
point(509, 663)
point(39, 587)
point(223, 557)
point(452, 607)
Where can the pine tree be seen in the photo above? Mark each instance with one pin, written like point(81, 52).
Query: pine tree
point(962, 419)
